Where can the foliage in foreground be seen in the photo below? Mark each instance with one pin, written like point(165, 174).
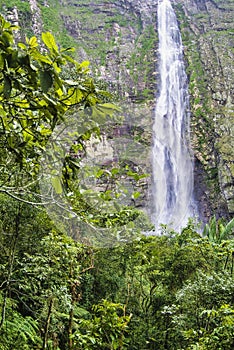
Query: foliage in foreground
point(160, 292)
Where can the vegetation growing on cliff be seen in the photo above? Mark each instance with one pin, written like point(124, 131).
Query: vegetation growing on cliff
point(207, 37)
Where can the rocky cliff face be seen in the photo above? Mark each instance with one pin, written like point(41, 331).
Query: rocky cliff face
point(119, 37)
point(207, 27)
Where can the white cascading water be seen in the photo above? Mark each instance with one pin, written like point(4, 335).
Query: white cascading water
point(172, 162)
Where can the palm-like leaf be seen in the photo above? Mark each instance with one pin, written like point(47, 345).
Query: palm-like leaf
point(217, 231)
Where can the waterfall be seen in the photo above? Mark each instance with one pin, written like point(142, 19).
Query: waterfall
point(172, 162)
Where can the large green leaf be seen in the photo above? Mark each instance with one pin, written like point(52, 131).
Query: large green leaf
point(49, 41)
point(229, 227)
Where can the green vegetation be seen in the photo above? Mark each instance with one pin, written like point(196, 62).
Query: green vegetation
point(22, 5)
point(52, 21)
point(207, 33)
point(24, 14)
point(109, 37)
point(140, 63)
point(35, 96)
point(168, 292)
point(173, 291)
point(200, 98)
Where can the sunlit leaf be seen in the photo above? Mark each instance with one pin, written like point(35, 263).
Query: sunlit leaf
point(49, 41)
point(57, 184)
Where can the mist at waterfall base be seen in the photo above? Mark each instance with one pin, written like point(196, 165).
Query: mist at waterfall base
point(172, 161)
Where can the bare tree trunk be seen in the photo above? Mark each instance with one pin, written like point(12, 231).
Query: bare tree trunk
point(47, 324)
point(70, 325)
point(10, 265)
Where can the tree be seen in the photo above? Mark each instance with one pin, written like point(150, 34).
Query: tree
point(34, 97)
point(42, 87)
point(106, 329)
point(202, 316)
